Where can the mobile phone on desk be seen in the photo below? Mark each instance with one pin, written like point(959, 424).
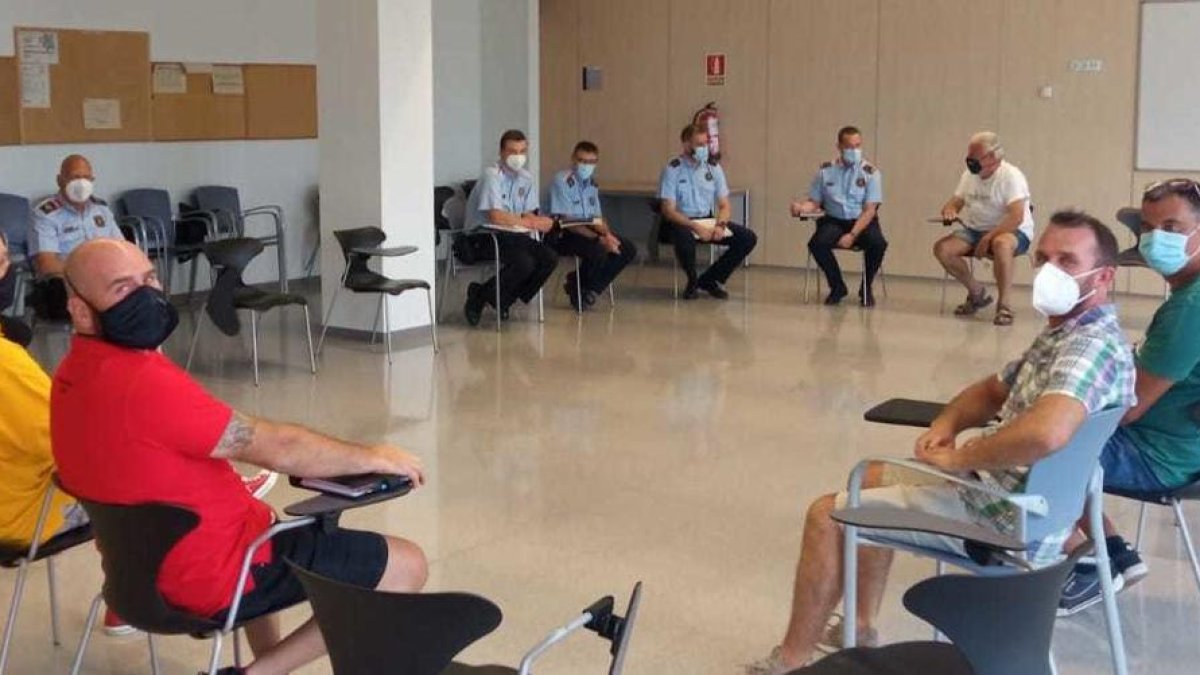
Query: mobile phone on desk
point(356, 486)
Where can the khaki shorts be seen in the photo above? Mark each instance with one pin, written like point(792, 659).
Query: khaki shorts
point(938, 499)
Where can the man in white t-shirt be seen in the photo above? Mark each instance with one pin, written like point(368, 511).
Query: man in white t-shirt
point(992, 203)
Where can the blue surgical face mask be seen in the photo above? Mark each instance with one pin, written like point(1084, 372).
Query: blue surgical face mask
point(852, 155)
point(1165, 252)
point(700, 153)
point(585, 171)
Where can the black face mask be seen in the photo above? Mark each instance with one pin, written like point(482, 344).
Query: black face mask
point(143, 320)
point(974, 165)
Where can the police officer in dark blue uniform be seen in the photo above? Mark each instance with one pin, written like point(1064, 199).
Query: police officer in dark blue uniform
point(693, 188)
point(849, 190)
point(575, 197)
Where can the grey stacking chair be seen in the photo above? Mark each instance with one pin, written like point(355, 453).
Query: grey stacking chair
point(178, 238)
point(225, 205)
point(23, 557)
point(1056, 490)
point(971, 611)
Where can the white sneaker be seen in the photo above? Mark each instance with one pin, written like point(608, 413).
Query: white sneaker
point(260, 483)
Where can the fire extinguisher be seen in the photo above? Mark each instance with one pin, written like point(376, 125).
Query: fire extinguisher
point(709, 119)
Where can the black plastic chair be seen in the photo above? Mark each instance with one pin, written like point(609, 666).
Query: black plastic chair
point(369, 632)
point(1173, 499)
point(441, 220)
point(225, 205)
point(229, 258)
point(996, 625)
point(22, 557)
point(14, 228)
point(181, 236)
point(358, 246)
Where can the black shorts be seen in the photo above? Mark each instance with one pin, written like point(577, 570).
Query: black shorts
point(349, 556)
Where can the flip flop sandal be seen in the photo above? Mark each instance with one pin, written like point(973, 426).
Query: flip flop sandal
point(1004, 316)
point(973, 304)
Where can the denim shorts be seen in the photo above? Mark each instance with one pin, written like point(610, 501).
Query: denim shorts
point(1125, 468)
point(972, 237)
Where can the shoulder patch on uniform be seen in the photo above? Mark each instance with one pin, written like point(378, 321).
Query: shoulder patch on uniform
point(97, 200)
point(49, 206)
point(675, 162)
point(868, 168)
point(826, 165)
point(571, 181)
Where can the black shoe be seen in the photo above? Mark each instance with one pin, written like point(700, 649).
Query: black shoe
point(231, 670)
point(835, 296)
point(589, 299)
point(866, 299)
point(569, 289)
point(690, 293)
point(714, 289)
point(1082, 589)
point(473, 309)
point(1126, 561)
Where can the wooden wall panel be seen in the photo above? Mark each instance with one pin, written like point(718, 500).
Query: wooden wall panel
point(561, 83)
point(820, 81)
point(628, 117)
point(742, 100)
point(10, 102)
point(199, 115)
point(281, 101)
point(939, 65)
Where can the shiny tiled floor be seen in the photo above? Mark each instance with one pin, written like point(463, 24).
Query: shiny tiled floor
point(676, 443)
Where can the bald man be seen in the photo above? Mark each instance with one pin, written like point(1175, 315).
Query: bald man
point(60, 224)
point(130, 427)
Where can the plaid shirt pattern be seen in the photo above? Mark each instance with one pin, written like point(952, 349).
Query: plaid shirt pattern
point(1086, 358)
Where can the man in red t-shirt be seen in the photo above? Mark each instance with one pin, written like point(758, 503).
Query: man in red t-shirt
point(128, 426)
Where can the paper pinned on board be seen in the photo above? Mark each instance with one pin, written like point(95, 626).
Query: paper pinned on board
point(197, 68)
point(35, 85)
point(169, 78)
point(101, 113)
point(37, 46)
point(228, 81)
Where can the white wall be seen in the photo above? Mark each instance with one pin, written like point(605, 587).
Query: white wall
point(266, 172)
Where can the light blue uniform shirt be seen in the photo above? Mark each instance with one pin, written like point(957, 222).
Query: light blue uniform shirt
point(500, 190)
point(59, 228)
point(695, 188)
point(843, 191)
point(573, 197)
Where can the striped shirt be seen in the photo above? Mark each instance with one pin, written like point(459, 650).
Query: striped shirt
point(1086, 358)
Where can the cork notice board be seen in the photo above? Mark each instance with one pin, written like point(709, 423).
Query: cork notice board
point(281, 101)
point(199, 115)
point(106, 73)
point(10, 121)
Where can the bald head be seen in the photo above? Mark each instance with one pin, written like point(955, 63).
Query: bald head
point(75, 168)
point(100, 273)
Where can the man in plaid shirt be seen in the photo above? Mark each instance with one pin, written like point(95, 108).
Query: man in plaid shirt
point(1080, 364)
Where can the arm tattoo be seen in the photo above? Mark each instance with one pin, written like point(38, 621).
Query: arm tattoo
point(237, 437)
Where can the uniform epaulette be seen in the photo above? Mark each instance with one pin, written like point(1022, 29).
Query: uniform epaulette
point(675, 162)
point(869, 168)
point(49, 206)
point(826, 165)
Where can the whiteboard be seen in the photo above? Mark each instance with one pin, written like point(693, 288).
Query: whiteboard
point(1168, 134)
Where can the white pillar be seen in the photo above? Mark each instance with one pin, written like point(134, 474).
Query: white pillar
point(375, 90)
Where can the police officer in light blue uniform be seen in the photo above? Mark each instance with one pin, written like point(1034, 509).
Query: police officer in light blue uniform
point(59, 225)
point(574, 196)
point(506, 196)
point(692, 187)
point(849, 190)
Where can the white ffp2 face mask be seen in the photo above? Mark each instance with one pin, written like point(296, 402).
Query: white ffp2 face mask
point(1056, 293)
point(516, 162)
point(79, 190)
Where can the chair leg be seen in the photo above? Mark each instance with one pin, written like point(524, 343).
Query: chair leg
point(87, 634)
point(498, 320)
point(850, 589)
point(807, 274)
point(387, 321)
point(1141, 528)
point(195, 339)
point(432, 319)
point(215, 660)
point(254, 343)
point(1112, 618)
point(13, 608)
point(442, 292)
point(883, 281)
point(329, 312)
point(1187, 540)
point(375, 323)
point(54, 632)
point(153, 654)
point(312, 358)
point(612, 295)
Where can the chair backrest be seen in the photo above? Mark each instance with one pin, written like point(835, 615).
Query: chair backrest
point(229, 258)
point(441, 195)
point(359, 237)
point(133, 542)
point(371, 632)
point(224, 203)
point(15, 218)
point(1002, 624)
point(149, 204)
point(1063, 477)
point(1131, 218)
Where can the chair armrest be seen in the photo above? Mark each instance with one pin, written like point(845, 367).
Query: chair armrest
point(325, 506)
point(905, 412)
point(388, 252)
point(1034, 504)
point(894, 518)
point(244, 574)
